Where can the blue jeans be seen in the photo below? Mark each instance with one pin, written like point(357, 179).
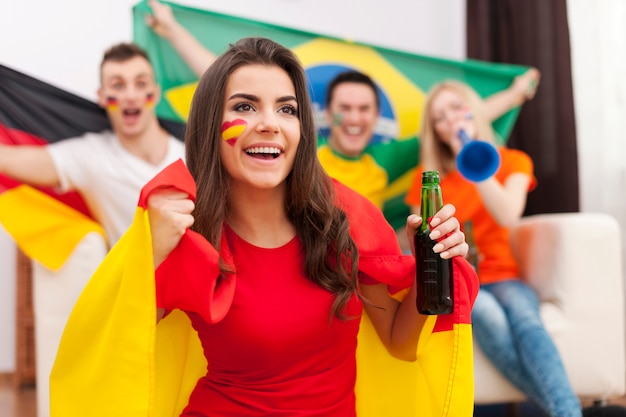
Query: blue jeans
point(508, 328)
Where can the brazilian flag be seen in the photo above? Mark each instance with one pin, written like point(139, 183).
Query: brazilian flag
point(403, 80)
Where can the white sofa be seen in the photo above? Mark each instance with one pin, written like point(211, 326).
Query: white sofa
point(574, 262)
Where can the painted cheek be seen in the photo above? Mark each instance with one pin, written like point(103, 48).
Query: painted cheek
point(232, 130)
point(337, 119)
point(150, 101)
point(467, 113)
point(112, 104)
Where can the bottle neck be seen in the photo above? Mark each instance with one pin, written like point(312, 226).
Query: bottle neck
point(431, 203)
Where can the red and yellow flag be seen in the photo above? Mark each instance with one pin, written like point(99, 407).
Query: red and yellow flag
point(45, 225)
point(114, 359)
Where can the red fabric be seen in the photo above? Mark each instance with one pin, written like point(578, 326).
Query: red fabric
point(194, 261)
point(176, 175)
point(275, 352)
point(379, 251)
point(7, 183)
point(465, 291)
point(268, 342)
point(18, 137)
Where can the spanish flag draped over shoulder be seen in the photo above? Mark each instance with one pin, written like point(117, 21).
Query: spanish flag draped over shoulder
point(114, 359)
point(45, 224)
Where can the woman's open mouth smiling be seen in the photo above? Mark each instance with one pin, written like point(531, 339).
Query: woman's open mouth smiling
point(264, 152)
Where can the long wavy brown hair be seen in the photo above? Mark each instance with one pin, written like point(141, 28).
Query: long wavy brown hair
point(331, 256)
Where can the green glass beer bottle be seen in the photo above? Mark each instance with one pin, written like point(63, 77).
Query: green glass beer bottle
point(433, 273)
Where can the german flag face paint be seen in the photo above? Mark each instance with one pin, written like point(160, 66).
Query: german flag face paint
point(112, 104)
point(232, 130)
point(150, 100)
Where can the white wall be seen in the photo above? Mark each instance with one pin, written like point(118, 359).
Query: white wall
point(598, 39)
point(61, 42)
point(66, 50)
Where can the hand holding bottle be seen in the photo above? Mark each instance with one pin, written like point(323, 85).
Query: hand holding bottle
point(444, 229)
point(434, 271)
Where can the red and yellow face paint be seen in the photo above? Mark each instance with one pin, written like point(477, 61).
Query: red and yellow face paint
point(150, 100)
point(232, 130)
point(112, 104)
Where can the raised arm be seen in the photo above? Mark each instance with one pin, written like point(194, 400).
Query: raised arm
point(169, 212)
point(31, 165)
point(398, 324)
point(163, 22)
point(523, 88)
point(505, 202)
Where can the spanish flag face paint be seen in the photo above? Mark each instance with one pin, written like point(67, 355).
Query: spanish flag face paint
point(232, 130)
point(112, 104)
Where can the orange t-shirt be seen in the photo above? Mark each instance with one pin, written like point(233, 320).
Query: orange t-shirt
point(497, 262)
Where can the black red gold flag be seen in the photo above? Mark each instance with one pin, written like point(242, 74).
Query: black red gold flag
point(45, 224)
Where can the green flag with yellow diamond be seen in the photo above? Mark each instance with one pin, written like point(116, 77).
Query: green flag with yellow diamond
point(403, 80)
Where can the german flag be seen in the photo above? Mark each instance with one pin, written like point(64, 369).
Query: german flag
point(46, 225)
point(132, 366)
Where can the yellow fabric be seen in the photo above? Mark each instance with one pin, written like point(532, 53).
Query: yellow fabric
point(45, 229)
point(385, 386)
point(180, 362)
point(105, 361)
point(363, 175)
point(114, 361)
point(440, 383)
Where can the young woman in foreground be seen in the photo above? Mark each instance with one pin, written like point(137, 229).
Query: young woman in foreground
point(308, 253)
